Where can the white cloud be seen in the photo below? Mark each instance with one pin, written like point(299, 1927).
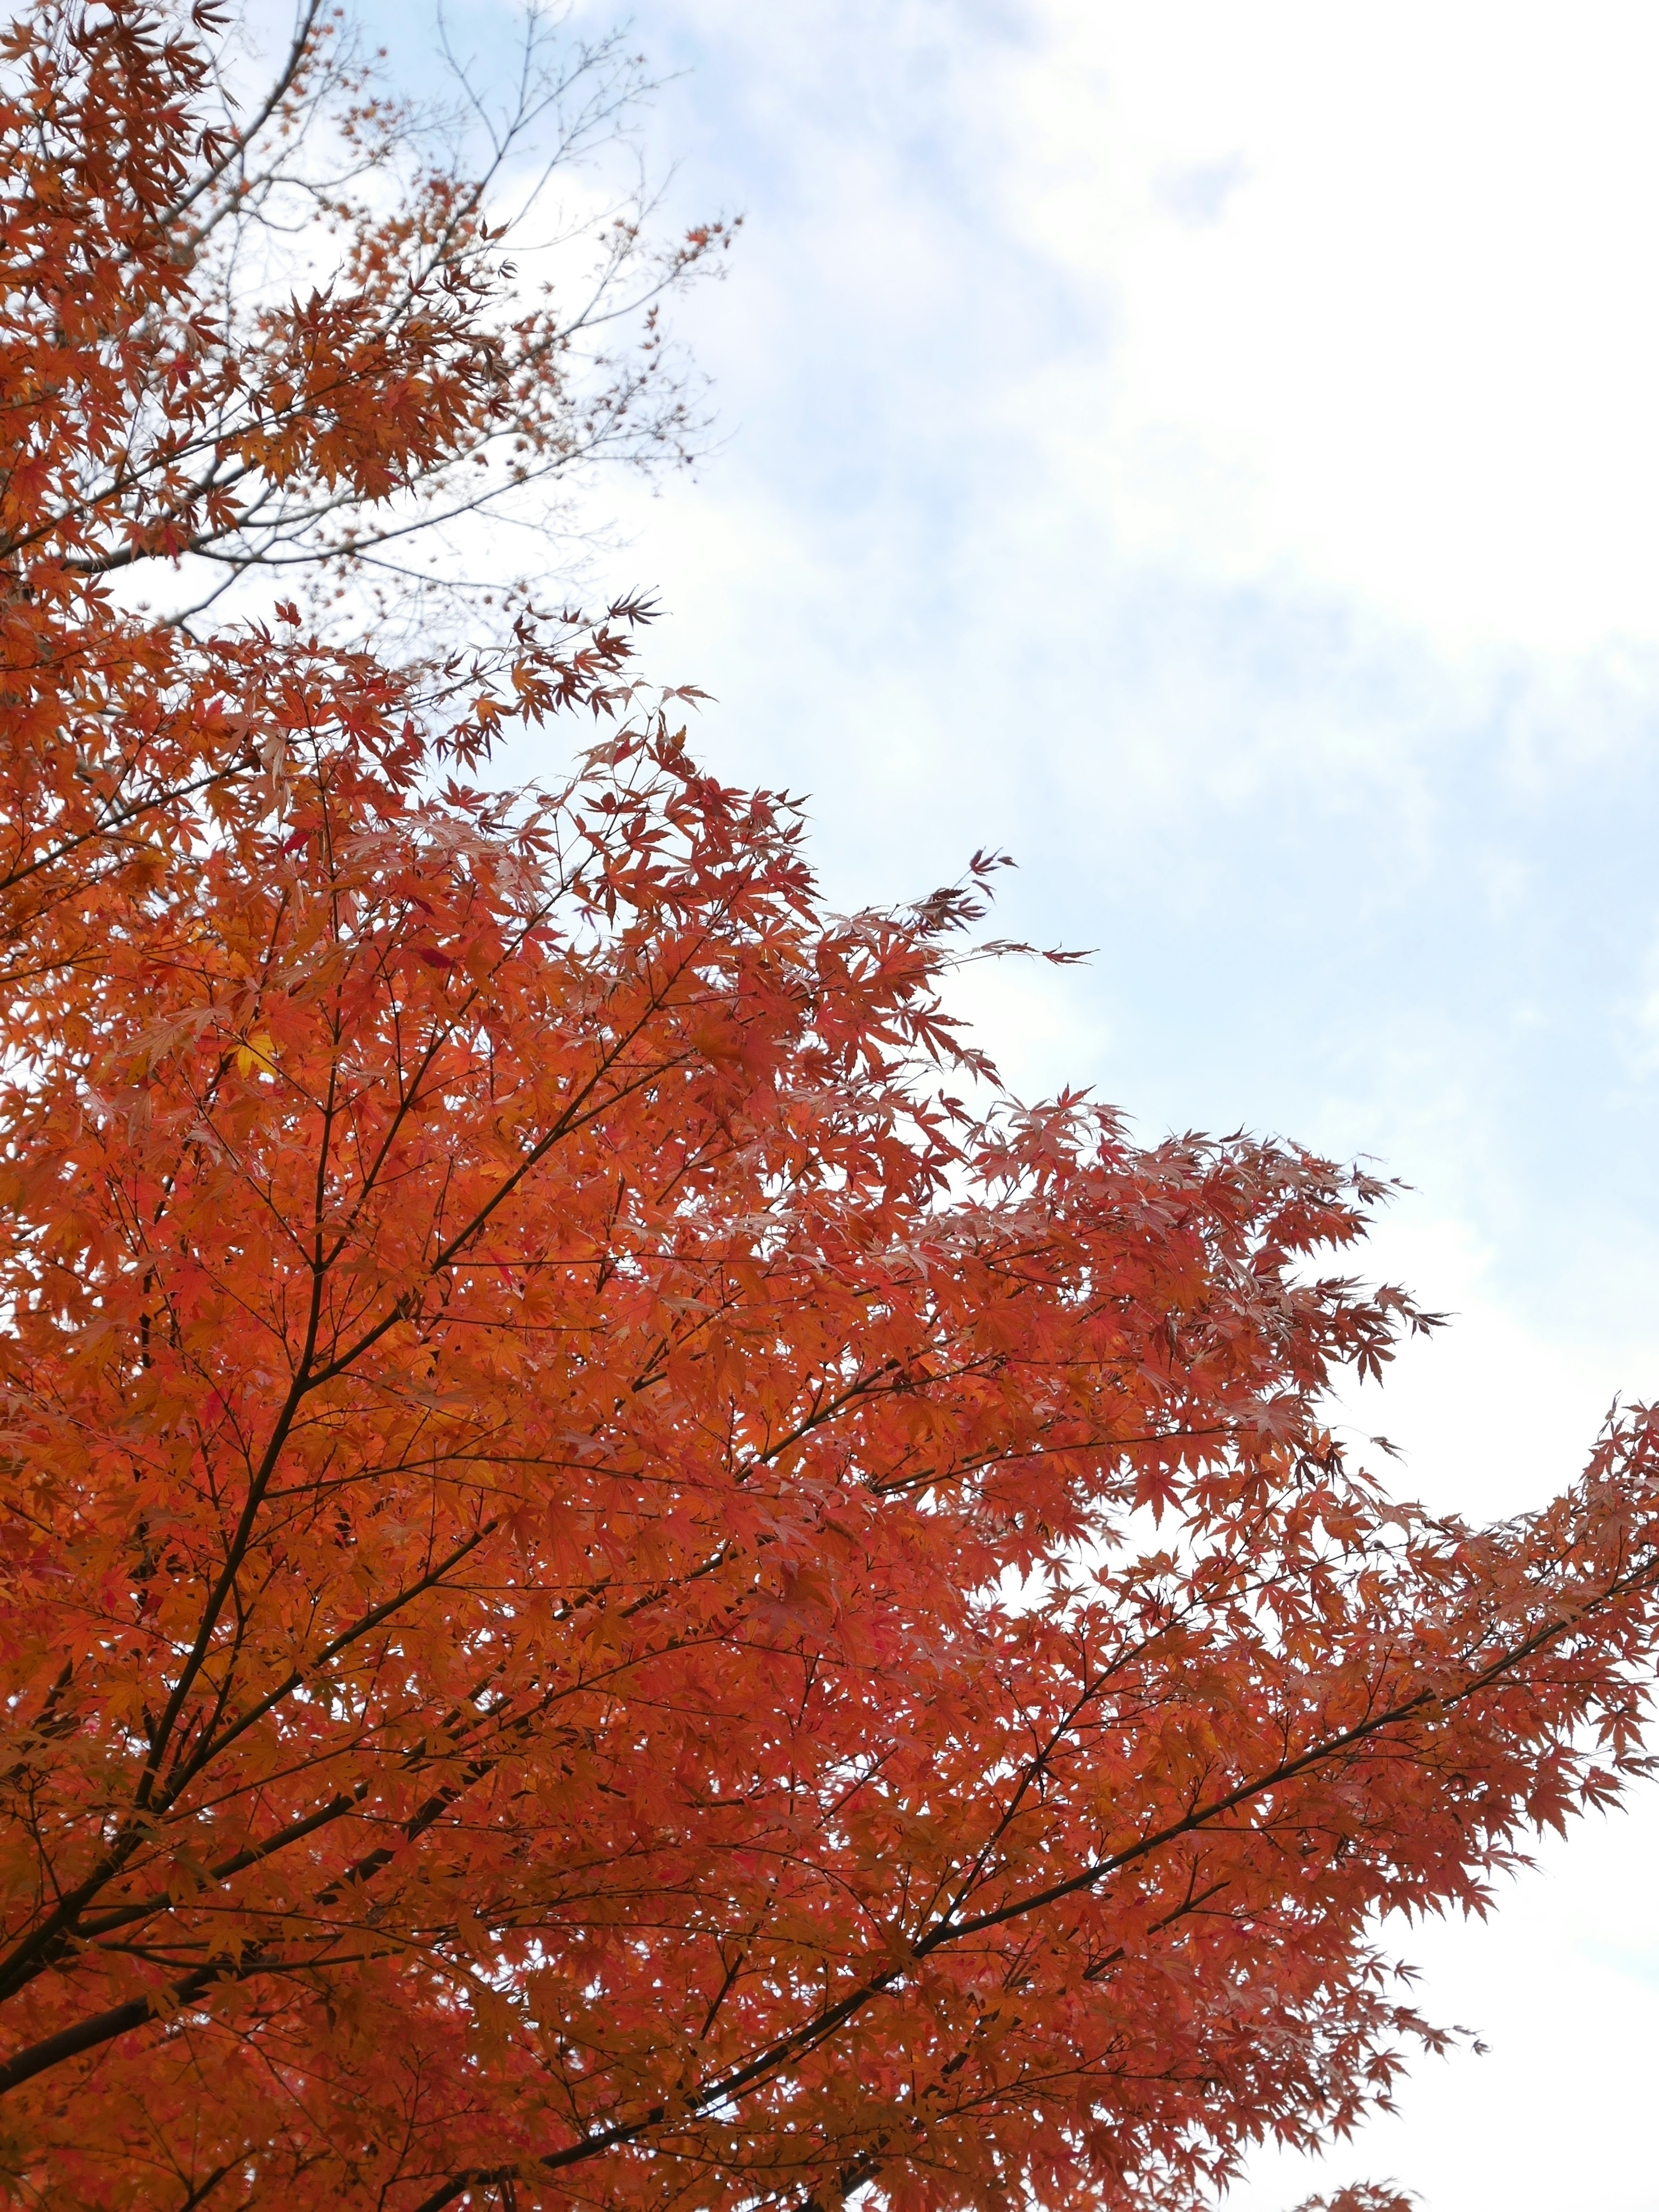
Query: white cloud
point(1412, 353)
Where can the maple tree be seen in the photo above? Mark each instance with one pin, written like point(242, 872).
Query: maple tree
point(333, 364)
point(625, 1583)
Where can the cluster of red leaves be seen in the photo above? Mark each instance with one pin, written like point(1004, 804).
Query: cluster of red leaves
point(609, 1599)
point(168, 396)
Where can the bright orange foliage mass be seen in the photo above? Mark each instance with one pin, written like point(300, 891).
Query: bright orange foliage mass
point(610, 1598)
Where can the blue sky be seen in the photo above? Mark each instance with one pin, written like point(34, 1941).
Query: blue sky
point(1356, 869)
point(1211, 451)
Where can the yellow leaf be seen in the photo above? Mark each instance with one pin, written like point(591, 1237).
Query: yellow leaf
point(257, 1055)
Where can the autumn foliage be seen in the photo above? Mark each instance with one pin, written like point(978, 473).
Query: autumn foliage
point(625, 1584)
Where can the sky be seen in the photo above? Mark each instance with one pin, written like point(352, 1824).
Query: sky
point(1210, 450)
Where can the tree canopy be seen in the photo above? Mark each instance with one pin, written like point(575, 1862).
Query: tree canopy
point(626, 1583)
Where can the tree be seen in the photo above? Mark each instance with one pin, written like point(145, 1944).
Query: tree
point(333, 363)
point(619, 1590)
